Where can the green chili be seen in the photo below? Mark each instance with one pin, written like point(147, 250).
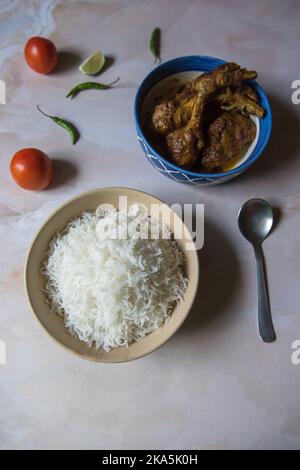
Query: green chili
point(67, 125)
point(154, 44)
point(89, 86)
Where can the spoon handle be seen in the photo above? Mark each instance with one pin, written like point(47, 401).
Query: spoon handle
point(265, 325)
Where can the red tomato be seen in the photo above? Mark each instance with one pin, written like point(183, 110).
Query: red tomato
point(31, 169)
point(40, 54)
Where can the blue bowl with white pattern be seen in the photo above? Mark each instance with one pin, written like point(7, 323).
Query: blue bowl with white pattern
point(170, 75)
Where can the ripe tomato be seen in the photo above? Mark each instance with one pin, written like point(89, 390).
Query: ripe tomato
point(31, 169)
point(40, 54)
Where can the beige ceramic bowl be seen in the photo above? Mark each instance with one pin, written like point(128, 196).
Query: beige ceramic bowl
point(53, 324)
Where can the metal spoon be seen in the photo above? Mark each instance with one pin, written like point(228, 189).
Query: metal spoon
point(255, 221)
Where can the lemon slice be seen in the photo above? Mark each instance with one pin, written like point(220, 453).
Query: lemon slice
point(93, 64)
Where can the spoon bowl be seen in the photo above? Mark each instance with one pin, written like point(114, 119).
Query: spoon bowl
point(255, 220)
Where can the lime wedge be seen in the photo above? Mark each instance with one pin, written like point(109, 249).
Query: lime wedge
point(93, 64)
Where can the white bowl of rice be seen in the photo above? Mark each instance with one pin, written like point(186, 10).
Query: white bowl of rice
point(112, 274)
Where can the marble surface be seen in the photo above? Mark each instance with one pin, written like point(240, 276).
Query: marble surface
point(215, 384)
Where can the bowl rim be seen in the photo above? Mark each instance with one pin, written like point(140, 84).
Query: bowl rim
point(177, 168)
point(37, 318)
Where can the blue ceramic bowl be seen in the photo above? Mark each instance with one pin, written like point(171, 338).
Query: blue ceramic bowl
point(184, 66)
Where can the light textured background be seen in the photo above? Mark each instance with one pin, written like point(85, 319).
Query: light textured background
point(215, 384)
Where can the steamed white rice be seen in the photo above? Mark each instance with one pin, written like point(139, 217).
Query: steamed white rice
point(112, 292)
